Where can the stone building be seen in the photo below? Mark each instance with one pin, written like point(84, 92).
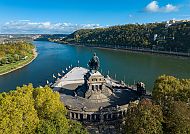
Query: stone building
point(91, 97)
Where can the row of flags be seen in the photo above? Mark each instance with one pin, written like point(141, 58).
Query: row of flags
point(59, 75)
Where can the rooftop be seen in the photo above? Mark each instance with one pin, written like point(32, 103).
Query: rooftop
point(75, 76)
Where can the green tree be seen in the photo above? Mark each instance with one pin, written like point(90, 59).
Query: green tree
point(76, 128)
point(17, 112)
point(29, 110)
point(51, 111)
point(47, 102)
point(144, 118)
point(169, 86)
point(3, 61)
point(177, 118)
point(174, 37)
point(10, 59)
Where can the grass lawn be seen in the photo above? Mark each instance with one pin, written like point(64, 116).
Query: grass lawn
point(9, 67)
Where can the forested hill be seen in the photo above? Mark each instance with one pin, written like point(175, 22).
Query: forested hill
point(157, 36)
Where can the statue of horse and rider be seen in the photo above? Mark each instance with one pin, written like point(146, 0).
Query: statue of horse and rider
point(94, 63)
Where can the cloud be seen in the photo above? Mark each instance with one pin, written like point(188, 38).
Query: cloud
point(26, 26)
point(130, 15)
point(154, 7)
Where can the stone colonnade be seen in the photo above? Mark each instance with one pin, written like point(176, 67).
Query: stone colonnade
point(96, 117)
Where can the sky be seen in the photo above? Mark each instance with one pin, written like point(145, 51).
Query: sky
point(66, 16)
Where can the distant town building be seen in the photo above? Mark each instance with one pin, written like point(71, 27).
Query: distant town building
point(174, 21)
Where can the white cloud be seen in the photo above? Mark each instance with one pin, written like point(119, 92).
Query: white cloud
point(154, 7)
point(170, 8)
point(26, 26)
point(130, 15)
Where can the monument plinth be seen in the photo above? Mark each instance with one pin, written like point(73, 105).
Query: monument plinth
point(91, 97)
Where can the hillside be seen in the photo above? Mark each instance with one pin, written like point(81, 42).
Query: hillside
point(158, 36)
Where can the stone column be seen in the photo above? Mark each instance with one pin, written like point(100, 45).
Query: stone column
point(111, 115)
point(74, 115)
point(84, 116)
point(94, 116)
point(70, 115)
point(107, 115)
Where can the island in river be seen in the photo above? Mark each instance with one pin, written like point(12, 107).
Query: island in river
point(16, 55)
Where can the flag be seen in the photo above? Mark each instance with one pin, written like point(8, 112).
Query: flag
point(59, 74)
point(155, 36)
point(54, 76)
point(66, 69)
point(69, 67)
point(63, 71)
point(47, 82)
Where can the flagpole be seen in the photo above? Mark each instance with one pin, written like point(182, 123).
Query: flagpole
point(78, 63)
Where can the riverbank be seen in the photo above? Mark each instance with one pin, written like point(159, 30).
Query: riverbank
point(132, 49)
point(5, 69)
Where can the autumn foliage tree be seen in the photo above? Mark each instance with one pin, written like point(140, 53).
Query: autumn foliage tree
point(31, 110)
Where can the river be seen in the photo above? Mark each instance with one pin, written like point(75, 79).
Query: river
point(127, 66)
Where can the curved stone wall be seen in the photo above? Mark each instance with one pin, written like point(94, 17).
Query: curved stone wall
point(105, 114)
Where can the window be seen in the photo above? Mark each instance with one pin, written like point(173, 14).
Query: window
point(92, 87)
point(100, 87)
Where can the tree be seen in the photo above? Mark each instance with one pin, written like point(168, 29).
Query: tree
point(58, 124)
point(47, 102)
point(144, 118)
point(31, 110)
point(10, 59)
point(76, 128)
point(169, 86)
point(17, 113)
point(51, 111)
point(3, 61)
point(177, 118)
point(173, 37)
point(173, 95)
point(11, 52)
